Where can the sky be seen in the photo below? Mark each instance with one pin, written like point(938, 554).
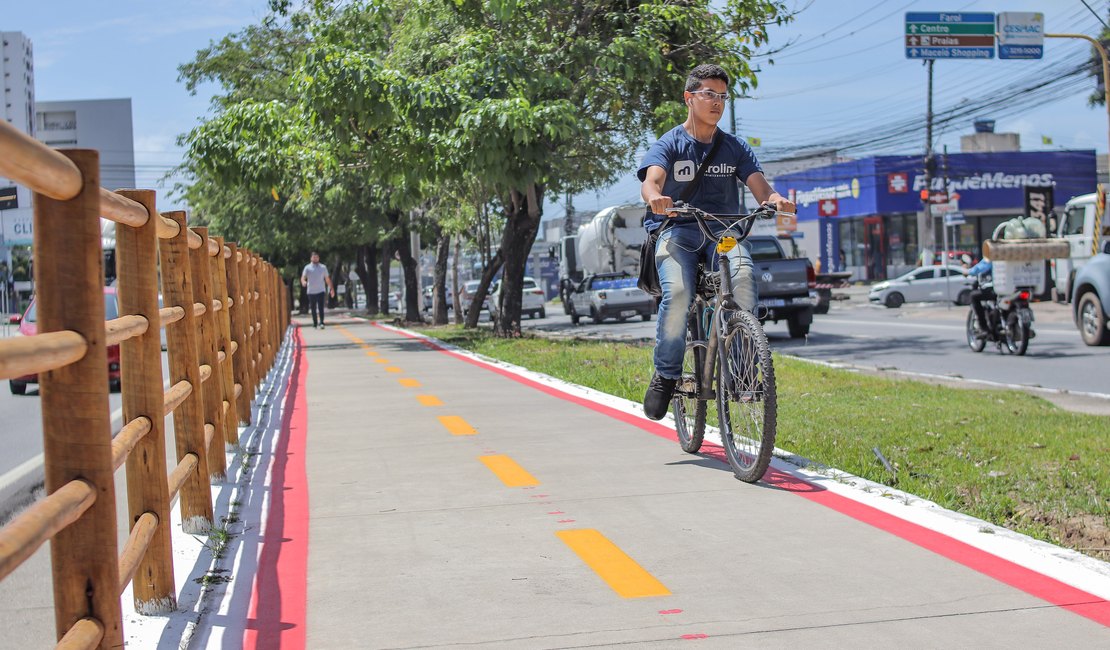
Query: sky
point(842, 71)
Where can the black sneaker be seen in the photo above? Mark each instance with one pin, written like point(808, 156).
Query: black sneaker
point(658, 396)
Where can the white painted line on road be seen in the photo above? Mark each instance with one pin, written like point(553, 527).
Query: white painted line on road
point(1068, 566)
point(947, 328)
point(926, 375)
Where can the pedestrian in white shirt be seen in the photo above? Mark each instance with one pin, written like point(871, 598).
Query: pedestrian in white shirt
point(316, 280)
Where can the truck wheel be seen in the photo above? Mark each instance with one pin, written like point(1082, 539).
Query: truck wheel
point(575, 319)
point(18, 387)
point(964, 299)
point(645, 317)
point(595, 316)
point(824, 297)
point(895, 300)
point(543, 312)
point(797, 330)
point(1091, 320)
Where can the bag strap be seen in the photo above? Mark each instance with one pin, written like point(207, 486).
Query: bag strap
point(688, 191)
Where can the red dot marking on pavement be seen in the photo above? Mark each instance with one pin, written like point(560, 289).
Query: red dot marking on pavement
point(694, 636)
point(566, 521)
point(670, 611)
point(539, 496)
point(556, 512)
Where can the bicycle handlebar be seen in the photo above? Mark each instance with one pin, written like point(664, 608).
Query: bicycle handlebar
point(765, 211)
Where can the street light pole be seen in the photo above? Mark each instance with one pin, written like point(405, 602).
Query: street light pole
point(1106, 89)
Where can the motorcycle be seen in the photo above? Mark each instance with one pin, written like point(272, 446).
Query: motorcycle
point(1009, 323)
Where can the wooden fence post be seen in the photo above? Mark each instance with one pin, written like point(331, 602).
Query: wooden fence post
point(181, 340)
point(256, 320)
point(208, 355)
point(143, 397)
point(77, 436)
point(223, 322)
point(248, 310)
point(238, 315)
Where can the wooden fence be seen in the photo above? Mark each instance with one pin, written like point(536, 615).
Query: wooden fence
point(225, 315)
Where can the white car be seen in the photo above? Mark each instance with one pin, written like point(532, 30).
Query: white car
point(925, 284)
point(531, 302)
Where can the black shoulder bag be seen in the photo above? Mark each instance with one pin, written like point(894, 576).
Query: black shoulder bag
point(649, 274)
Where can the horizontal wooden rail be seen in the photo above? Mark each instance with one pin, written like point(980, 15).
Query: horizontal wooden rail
point(127, 438)
point(221, 356)
point(195, 241)
point(209, 433)
point(26, 355)
point(26, 533)
point(122, 210)
point(35, 165)
point(199, 309)
point(234, 347)
point(171, 314)
point(205, 373)
point(167, 228)
point(176, 395)
point(214, 248)
point(217, 305)
point(181, 473)
point(141, 534)
point(120, 329)
point(238, 390)
point(85, 634)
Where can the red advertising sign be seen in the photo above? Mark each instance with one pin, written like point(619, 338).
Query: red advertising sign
point(828, 207)
point(898, 183)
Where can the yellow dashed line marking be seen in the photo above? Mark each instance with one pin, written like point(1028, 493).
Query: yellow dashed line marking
point(456, 425)
point(349, 335)
point(612, 565)
point(381, 360)
point(429, 400)
point(409, 383)
point(370, 352)
point(393, 369)
point(507, 469)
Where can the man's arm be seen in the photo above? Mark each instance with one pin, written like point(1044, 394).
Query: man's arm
point(327, 280)
point(304, 278)
point(764, 193)
point(652, 190)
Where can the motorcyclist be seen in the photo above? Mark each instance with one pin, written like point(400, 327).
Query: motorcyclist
point(984, 290)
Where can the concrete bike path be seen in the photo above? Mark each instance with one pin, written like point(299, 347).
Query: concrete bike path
point(444, 502)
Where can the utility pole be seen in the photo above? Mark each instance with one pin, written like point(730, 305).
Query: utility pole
point(925, 235)
point(568, 221)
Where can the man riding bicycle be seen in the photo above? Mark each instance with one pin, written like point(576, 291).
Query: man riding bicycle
point(671, 163)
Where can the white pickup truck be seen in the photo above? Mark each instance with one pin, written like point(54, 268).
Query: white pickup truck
point(610, 295)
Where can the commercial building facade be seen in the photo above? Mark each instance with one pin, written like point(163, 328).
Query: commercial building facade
point(861, 215)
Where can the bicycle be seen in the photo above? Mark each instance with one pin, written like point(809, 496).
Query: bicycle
point(728, 358)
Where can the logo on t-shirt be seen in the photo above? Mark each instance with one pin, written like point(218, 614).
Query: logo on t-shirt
point(684, 170)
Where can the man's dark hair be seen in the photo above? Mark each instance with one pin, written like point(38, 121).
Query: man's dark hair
point(703, 72)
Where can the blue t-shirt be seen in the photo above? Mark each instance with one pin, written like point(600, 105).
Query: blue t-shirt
point(680, 154)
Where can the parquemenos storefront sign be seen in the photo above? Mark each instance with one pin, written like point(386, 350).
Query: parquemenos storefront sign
point(892, 184)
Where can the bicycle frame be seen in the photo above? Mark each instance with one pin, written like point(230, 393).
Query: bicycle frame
point(723, 301)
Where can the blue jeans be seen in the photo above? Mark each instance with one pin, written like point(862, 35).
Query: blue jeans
point(677, 253)
point(316, 305)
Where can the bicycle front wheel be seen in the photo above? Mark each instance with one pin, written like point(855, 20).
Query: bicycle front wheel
point(689, 411)
point(747, 406)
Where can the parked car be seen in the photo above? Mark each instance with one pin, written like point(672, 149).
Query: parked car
point(28, 327)
point(1090, 298)
point(531, 301)
point(925, 284)
point(610, 295)
point(466, 294)
point(428, 291)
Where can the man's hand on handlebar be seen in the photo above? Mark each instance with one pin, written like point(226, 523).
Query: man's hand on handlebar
point(781, 203)
point(660, 203)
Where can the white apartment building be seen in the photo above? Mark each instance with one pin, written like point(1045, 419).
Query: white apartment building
point(101, 124)
point(17, 70)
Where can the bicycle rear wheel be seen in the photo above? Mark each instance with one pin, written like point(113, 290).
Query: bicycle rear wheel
point(747, 405)
point(689, 411)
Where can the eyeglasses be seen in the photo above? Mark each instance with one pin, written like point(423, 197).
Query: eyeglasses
point(709, 95)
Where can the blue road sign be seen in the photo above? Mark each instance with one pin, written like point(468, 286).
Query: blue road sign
point(949, 35)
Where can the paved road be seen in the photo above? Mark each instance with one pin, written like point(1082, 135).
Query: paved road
point(920, 338)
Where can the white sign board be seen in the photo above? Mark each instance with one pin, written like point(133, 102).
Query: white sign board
point(17, 226)
point(1009, 276)
point(1020, 35)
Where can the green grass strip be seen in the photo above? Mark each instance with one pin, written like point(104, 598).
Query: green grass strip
point(1007, 457)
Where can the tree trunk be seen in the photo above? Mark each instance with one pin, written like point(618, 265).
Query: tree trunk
point(475, 308)
point(302, 302)
point(333, 271)
point(456, 304)
point(383, 278)
point(522, 222)
point(439, 292)
point(367, 272)
point(408, 267)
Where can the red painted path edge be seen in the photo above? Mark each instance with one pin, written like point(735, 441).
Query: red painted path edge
point(1036, 584)
point(277, 615)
